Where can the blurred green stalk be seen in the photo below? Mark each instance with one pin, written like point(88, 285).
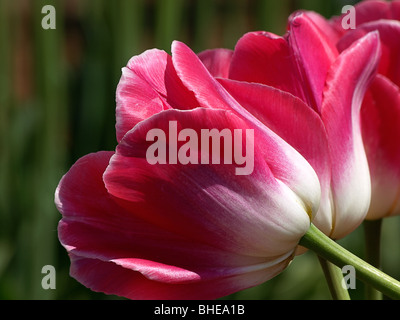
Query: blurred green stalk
point(5, 106)
point(50, 146)
point(372, 234)
point(334, 278)
point(169, 18)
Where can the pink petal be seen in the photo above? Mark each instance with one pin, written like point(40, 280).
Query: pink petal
point(297, 124)
point(195, 76)
point(211, 94)
point(381, 134)
point(148, 85)
point(217, 61)
point(156, 253)
point(93, 224)
point(265, 58)
point(112, 279)
point(70, 202)
point(251, 214)
point(347, 82)
point(368, 11)
point(97, 232)
point(389, 33)
point(365, 11)
point(395, 9)
point(314, 53)
point(325, 26)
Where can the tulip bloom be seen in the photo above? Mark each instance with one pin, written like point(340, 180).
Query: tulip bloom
point(381, 106)
point(306, 66)
point(187, 231)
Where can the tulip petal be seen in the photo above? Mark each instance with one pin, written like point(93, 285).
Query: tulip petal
point(217, 61)
point(265, 58)
point(112, 279)
point(395, 10)
point(372, 10)
point(313, 53)
point(210, 94)
point(68, 201)
point(253, 214)
point(346, 84)
point(389, 33)
point(148, 85)
point(325, 26)
point(91, 219)
point(102, 236)
point(297, 124)
point(157, 254)
point(381, 134)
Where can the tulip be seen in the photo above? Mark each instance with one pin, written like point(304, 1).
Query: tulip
point(186, 231)
point(306, 66)
point(152, 229)
point(380, 110)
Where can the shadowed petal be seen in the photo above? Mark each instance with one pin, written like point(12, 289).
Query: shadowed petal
point(217, 61)
point(389, 34)
point(381, 134)
point(110, 278)
point(372, 10)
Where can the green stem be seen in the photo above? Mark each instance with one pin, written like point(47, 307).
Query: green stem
point(328, 249)
point(372, 230)
point(334, 278)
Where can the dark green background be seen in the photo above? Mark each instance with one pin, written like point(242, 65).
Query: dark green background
point(57, 103)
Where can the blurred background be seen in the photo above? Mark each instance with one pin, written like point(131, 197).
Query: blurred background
point(57, 103)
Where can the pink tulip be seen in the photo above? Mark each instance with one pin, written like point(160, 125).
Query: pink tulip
point(381, 105)
point(306, 67)
point(189, 231)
